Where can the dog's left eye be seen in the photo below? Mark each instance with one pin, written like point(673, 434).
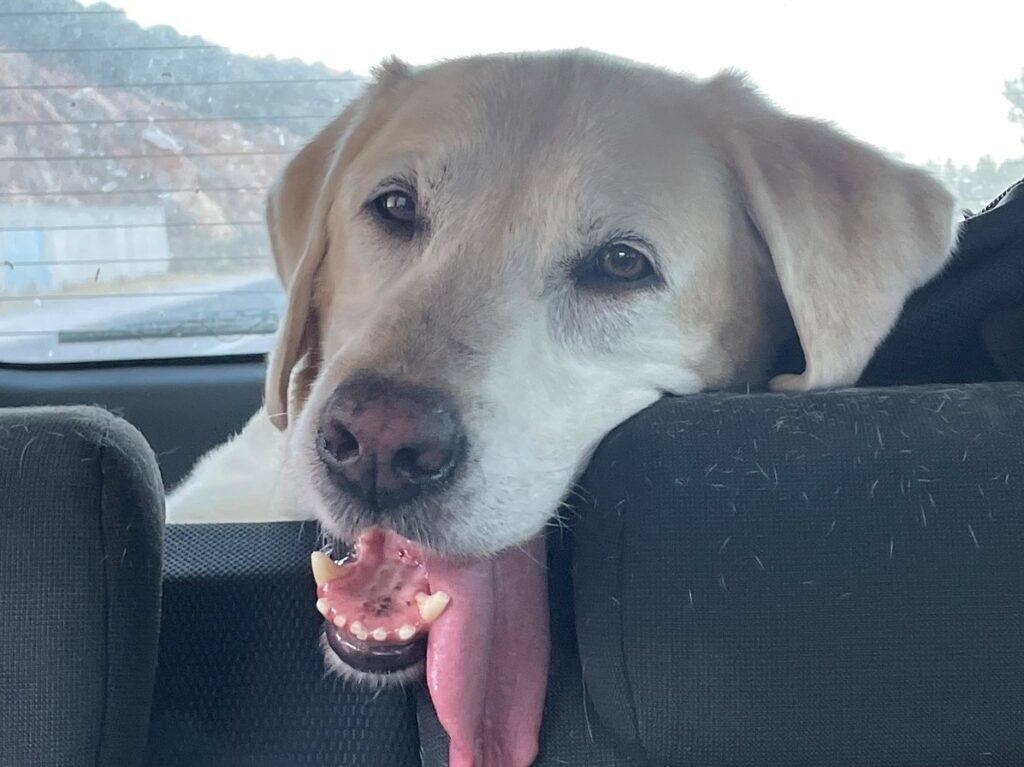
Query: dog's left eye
point(623, 263)
point(616, 266)
point(396, 207)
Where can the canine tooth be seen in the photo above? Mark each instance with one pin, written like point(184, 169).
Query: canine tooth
point(432, 605)
point(325, 569)
point(322, 606)
point(380, 634)
point(406, 632)
point(339, 621)
point(359, 630)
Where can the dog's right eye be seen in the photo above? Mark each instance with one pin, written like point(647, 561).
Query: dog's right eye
point(396, 207)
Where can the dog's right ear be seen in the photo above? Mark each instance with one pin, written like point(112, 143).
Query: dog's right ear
point(850, 232)
point(297, 209)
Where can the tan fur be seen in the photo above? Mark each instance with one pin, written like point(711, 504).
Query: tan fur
point(850, 232)
point(762, 223)
point(297, 209)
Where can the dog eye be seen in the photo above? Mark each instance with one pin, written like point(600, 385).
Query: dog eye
point(396, 207)
point(622, 263)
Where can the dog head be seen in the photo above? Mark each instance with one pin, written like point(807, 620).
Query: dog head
point(492, 262)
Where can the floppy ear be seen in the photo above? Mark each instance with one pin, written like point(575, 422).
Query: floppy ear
point(297, 209)
point(851, 232)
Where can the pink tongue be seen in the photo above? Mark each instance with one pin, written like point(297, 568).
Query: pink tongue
point(487, 655)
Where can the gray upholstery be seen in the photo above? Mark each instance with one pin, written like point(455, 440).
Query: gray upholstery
point(81, 519)
point(830, 578)
point(241, 679)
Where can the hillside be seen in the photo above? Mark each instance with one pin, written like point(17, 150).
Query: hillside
point(101, 45)
point(99, 112)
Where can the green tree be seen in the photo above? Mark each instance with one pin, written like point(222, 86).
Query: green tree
point(1014, 93)
point(976, 185)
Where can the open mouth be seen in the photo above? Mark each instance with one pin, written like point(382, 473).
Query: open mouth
point(377, 604)
point(478, 627)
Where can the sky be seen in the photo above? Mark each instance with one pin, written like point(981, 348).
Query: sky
point(924, 80)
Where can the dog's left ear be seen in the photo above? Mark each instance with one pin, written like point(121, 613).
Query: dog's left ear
point(298, 207)
point(851, 232)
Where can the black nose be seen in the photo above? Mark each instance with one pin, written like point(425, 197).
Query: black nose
point(385, 442)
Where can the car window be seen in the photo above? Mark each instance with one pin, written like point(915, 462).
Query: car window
point(137, 140)
point(135, 165)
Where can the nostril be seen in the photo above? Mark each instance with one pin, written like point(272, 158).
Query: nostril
point(404, 462)
point(417, 465)
point(383, 443)
point(339, 443)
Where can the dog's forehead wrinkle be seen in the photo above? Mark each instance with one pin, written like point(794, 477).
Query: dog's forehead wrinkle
point(517, 121)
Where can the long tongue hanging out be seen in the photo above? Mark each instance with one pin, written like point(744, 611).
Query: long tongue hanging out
point(486, 628)
point(487, 656)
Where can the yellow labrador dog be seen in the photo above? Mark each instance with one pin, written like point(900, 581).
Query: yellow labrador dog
point(491, 263)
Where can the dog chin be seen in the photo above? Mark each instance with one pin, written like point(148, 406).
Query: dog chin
point(335, 666)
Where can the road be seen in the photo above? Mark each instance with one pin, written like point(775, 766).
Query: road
point(220, 316)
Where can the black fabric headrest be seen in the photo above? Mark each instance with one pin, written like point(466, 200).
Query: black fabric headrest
point(830, 578)
point(81, 525)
